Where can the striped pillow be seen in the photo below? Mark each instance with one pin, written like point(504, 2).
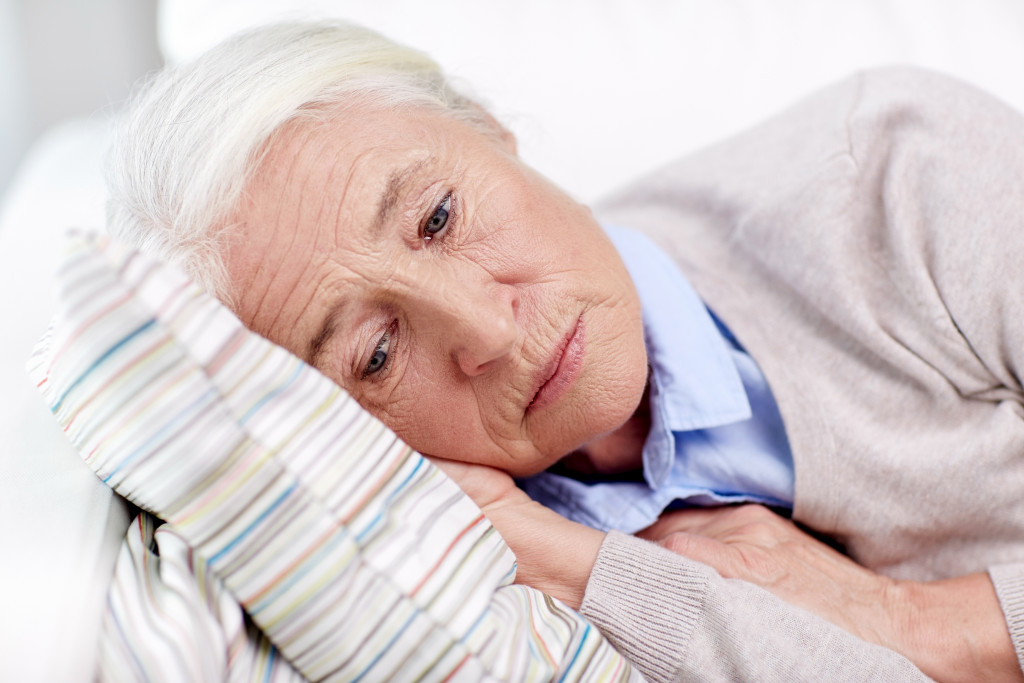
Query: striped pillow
point(353, 554)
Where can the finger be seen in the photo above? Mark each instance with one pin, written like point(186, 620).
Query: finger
point(488, 487)
point(484, 485)
point(702, 549)
point(692, 520)
point(719, 522)
point(753, 524)
point(453, 469)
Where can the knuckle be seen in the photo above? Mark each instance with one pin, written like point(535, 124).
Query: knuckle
point(754, 514)
point(760, 525)
point(678, 543)
point(759, 532)
point(761, 567)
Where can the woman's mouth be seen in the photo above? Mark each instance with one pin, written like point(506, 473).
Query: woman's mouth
point(562, 370)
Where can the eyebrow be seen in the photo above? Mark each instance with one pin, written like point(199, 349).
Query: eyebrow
point(318, 344)
point(393, 191)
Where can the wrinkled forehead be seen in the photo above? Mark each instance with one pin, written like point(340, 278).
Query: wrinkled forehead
point(354, 143)
point(355, 165)
point(324, 183)
point(346, 165)
point(361, 128)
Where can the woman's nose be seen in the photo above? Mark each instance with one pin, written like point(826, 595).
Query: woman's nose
point(490, 330)
point(476, 322)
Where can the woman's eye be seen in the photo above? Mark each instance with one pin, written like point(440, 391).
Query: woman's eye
point(379, 359)
point(438, 221)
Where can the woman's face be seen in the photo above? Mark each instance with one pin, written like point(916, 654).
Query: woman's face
point(459, 296)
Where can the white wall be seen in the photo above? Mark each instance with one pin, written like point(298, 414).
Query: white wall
point(14, 115)
point(599, 91)
point(62, 59)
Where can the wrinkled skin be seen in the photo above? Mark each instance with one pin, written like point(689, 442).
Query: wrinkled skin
point(447, 340)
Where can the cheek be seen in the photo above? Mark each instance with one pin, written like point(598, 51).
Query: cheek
point(615, 370)
point(424, 408)
point(525, 227)
point(431, 432)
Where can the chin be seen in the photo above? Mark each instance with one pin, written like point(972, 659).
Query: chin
point(593, 423)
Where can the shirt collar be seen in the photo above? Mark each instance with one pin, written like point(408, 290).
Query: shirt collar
point(694, 382)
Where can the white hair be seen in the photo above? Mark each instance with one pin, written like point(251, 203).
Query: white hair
point(192, 136)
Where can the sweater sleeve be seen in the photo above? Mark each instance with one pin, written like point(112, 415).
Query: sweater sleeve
point(1009, 582)
point(679, 620)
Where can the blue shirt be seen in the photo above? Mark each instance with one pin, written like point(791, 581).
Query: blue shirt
point(716, 433)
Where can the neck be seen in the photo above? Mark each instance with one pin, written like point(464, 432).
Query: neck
point(618, 451)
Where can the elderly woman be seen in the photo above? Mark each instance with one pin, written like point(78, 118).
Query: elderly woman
point(825, 322)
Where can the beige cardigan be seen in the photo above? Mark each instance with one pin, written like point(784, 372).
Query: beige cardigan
point(867, 248)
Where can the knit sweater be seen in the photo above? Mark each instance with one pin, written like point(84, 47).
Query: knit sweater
point(865, 247)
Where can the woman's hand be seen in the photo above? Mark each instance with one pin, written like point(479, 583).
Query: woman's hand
point(489, 488)
point(952, 630)
point(553, 554)
point(754, 544)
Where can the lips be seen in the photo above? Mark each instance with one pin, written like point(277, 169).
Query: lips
point(562, 370)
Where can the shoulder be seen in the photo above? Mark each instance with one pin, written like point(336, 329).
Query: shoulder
point(916, 84)
point(913, 108)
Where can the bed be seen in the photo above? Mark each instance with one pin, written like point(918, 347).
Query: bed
point(664, 79)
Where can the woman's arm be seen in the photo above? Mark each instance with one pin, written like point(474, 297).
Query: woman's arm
point(953, 629)
point(673, 617)
point(679, 619)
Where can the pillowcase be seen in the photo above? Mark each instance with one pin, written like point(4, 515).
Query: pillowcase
point(354, 555)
